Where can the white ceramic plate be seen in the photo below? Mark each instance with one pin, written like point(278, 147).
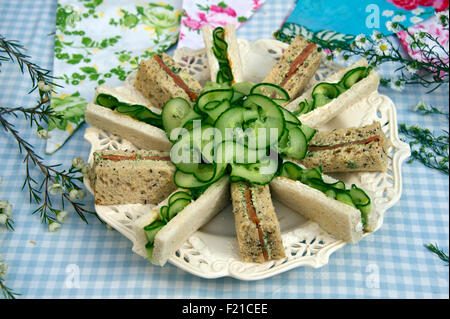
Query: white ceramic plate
point(212, 251)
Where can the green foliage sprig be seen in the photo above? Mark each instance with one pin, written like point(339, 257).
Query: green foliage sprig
point(7, 292)
point(55, 182)
point(439, 252)
point(427, 148)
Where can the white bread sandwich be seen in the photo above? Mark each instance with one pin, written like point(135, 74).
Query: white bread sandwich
point(257, 226)
point(336, 93)
point(160, 79)
point(224, 59)
point(354, 149)
point(123, 177)
point(296, 67)
point(174, 220)
point(124, 112)
point(345, 213)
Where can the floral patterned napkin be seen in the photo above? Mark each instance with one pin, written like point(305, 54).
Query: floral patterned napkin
point(102, 41)
point(197, 13)
point(433, 26)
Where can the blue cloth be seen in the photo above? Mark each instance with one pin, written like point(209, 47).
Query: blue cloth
point(49, 265)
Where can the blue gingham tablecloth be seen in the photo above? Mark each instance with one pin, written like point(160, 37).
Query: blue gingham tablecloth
point(91, 261)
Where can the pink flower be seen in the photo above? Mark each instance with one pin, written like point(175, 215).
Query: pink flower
point(228, 10)
point(405, 4)
point(191, 23)
point(202, 16)
point(256, 4)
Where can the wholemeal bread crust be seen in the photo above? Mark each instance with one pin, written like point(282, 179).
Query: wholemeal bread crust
point(247, 231)
point(233, 52)
point(141, 134)
point(327, 112)
point(158, 86)
point(130, 181)
point(341, 220)
point(371, 157)
point(298, 82)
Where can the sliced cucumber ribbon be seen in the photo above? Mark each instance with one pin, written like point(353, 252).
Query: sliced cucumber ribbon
point(138, 112)
point(220, 50)
point(241, 131)
point(325, 92)
point(354, 196)
point(176, 203)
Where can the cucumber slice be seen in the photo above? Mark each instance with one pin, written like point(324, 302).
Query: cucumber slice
point(304, 107)
point(345, 198)
point(330, 193)
point(308, 131)
point(230, 119)
point(359, 197)
point(243, 87)
point(177, 206)
point(270, 119)
point(152, 229)
point(229, 152)
point(175, 114)
point(338, 185)
point(149, 248)
point(178, 195)
point(163, 214)
point(328, 89)
point(312, 173)
point(271, 91)
point(106, 100)
point(294, 144)
point(353, 76)
point(290, 117)
point(365, 212)
point(291, 171)
point(212, 95)
point(320, 100)
point(259, 173)
point(215, 108)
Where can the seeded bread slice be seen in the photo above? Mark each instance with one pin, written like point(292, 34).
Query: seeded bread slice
point(341, 220)
point(370, 157)
point(298, 82)
point(246, 229)
point(133, 181)
point(158, 86)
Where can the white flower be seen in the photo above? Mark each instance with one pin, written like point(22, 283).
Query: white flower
point(376, 36)
point(417, 11)
point(54, 226)
point(81, 194)
point(393, 26)
point(382, 47)
point(77, 194)
point(3, 204)
point(85, 170)
point(388, 13)
point(78, 162)
point(8, 210)
point(361, 41)
point(43, 87)
point(397, 84)
point(42, 134)
point(3, 219)
point(56, 189)
point(415, 19)
point(411, 68)
point(62, 216)
point(399, 18)
point(3, 269)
